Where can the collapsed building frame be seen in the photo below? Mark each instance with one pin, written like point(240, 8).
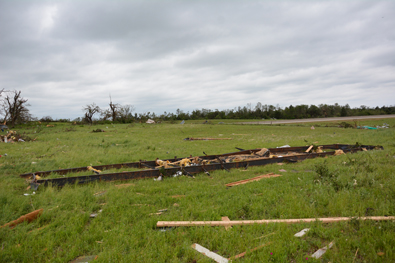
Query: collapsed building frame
point(208, 163)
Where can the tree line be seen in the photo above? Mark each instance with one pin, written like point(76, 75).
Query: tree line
point(124, 114)
point(14, 110)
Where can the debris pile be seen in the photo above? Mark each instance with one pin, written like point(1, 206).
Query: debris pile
point(13, 136)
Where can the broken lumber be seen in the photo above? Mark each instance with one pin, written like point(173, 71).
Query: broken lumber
point(251, 250)
point(28, 217)
point(209, 253)
point(308, 149)
point(251, 222)
point(260, 177)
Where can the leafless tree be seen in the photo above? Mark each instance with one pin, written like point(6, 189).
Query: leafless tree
point(14, 108)
point(114, 108)
point(90, 110)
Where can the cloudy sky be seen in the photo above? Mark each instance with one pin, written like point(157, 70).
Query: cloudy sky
point(164, 55)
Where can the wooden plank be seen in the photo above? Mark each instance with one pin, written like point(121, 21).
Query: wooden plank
point(287, 221)
point(260, 177)
point(209, 253)
point(308, 149)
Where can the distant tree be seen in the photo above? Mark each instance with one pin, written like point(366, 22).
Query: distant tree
point(15, 109)
point(124, 113)
point(46, 119)
point(114, 110)
point(90, 110)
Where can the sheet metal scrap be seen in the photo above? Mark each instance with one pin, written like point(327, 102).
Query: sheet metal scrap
point(192, 165)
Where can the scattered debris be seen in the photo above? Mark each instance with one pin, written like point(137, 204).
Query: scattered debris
point(159, 212)
point(338, 152)
point(149, 121)
point(182, 122)
point(322, 251)
point(159, 178)
point(13, 136)
point(176, 205)
point(380, 254)
point(302, 232)
point(252, 179)
point(210, 254)
point(308, 149)
point(93, 215)
point(284, 146)
point(282, 170)
point(90, 168)
point(312, 128)
point(100, 193)
point(288, 221)
point(198, 164)
point(366, 127)
point(30, 194)
point(28, 217)
point(98, 130)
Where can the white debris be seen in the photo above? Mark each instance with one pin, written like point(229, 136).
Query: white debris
point(302, 232)
point(322, 251)
point(159, 178)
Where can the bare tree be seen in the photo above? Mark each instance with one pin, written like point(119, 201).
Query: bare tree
point(125, 113)
point(90, 110)
point(114, 108)
point(15, 109)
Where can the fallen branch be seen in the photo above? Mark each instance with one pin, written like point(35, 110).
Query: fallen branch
point(251, 222)
point(28, 217)
point(253, 179)
point(251, 250)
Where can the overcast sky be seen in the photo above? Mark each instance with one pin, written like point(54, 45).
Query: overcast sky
point(164, 55)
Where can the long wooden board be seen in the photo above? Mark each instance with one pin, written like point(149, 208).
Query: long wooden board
point(251, 222)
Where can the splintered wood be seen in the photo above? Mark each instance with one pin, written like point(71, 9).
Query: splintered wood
point(28, 217)
point(253, 179)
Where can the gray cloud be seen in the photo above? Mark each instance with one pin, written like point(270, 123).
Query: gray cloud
point(160, 56)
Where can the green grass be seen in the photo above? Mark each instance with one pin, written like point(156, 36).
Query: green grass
point(125, 230)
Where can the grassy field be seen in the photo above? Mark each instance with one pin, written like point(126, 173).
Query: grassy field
point(125, 230)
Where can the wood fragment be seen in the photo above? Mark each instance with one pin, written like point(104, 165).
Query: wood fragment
point(287, 221)
point(209, 253)
point(28, 217)
point(251, 250)
point(260, 177)
point(355, 255)
point(225, 218)
point(100, 193)
point(308, 149)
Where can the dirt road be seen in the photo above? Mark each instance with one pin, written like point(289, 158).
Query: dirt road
point(339, 119)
